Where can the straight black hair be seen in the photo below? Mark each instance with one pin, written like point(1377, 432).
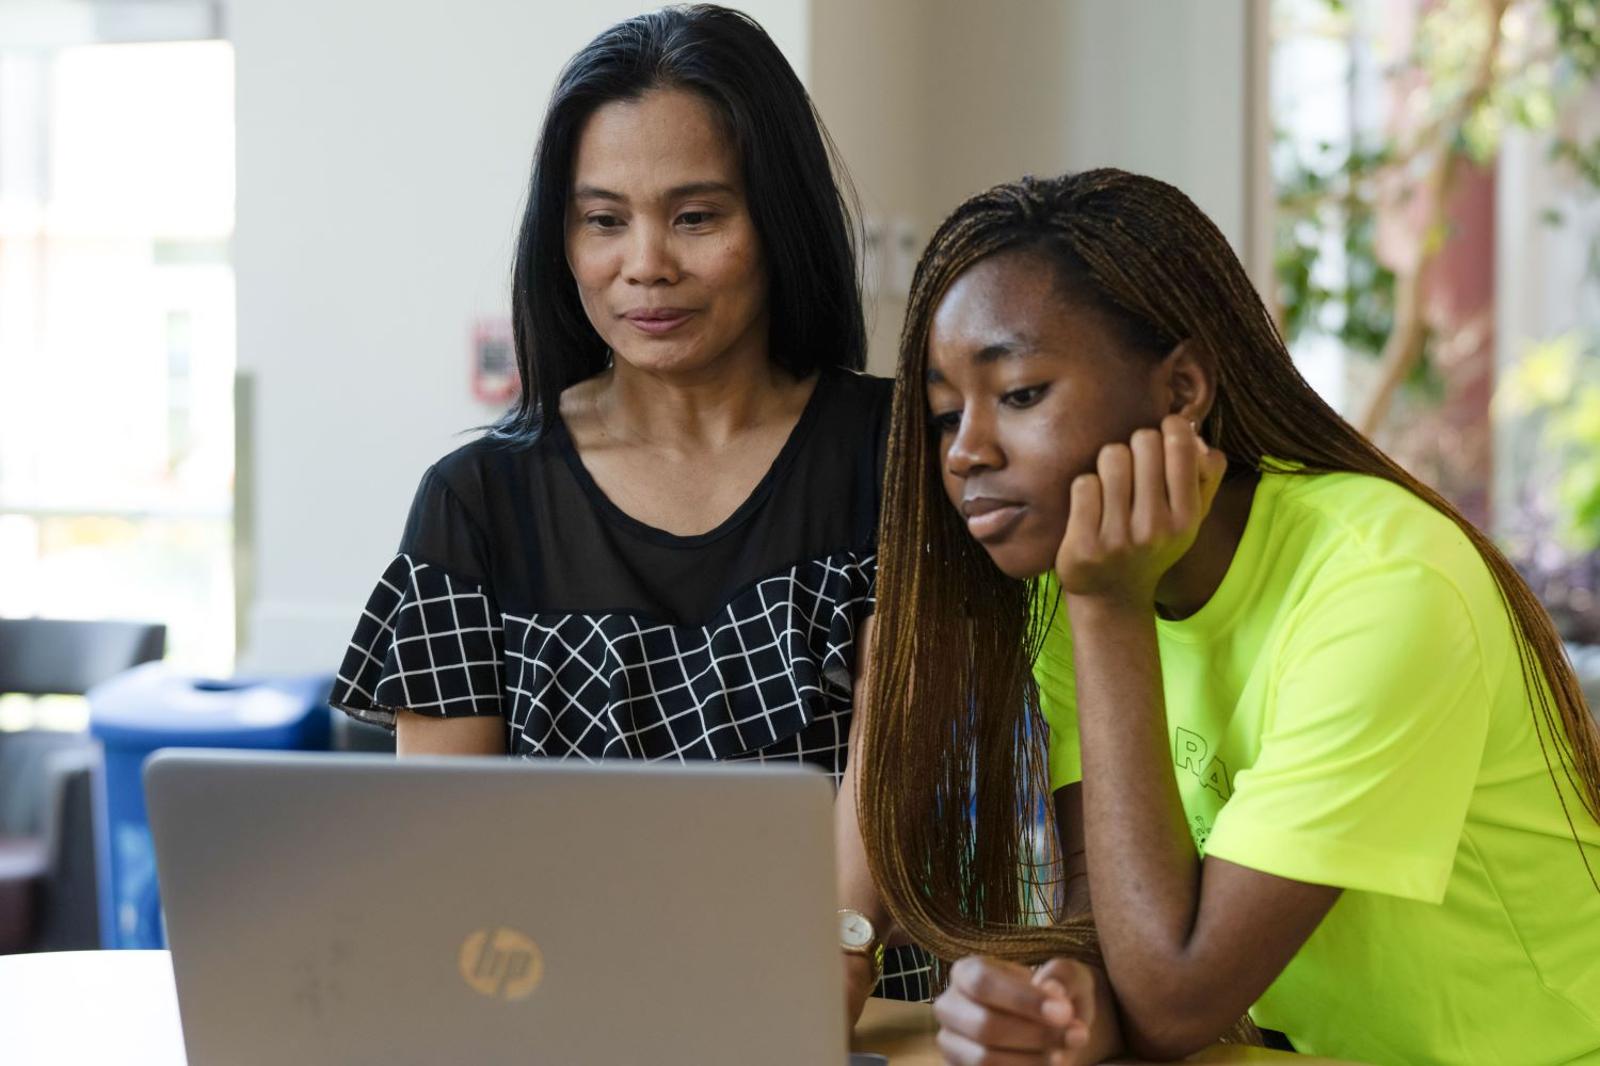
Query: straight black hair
point(801, 214)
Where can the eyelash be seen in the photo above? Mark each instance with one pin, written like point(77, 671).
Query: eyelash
point(1027, 397)
point(1017, 399)
point(607, 223)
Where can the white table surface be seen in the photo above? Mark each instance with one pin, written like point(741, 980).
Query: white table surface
point(89, 1007)
point(120, 1008)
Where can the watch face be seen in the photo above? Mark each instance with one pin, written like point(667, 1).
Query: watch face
point(854, 929)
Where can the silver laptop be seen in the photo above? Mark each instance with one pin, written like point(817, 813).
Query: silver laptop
point(341, 909)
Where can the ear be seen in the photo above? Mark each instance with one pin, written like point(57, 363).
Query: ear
point(1187, 379)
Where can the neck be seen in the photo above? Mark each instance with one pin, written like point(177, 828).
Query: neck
point(1194, 578)
point(704, 408)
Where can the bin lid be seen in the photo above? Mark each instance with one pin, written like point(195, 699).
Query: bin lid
point(153, 704)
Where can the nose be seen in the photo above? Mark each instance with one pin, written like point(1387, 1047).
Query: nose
point(974, 448)
point(650, 258)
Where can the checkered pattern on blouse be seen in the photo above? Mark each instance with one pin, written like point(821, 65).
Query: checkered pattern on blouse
point(767, 679)
point(773, 665)
point(427, 642)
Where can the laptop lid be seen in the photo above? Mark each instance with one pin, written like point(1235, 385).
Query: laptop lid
point(336, 909)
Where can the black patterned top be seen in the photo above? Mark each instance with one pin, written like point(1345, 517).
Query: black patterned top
point(521, 591)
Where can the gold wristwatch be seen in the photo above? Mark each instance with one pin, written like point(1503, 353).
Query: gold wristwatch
point(858, 937)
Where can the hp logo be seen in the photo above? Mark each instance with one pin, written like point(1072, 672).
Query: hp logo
point(501, 963)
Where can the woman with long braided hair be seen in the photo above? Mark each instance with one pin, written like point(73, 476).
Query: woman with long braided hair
point(1159, 629)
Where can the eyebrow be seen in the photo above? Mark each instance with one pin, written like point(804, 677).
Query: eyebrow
point(677, 192)
point(1017, 346)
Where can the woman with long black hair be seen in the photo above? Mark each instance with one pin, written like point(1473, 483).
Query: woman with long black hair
point(666, 550)
point(1307, 744)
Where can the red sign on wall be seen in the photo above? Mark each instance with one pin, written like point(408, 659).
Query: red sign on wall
point(494, 362)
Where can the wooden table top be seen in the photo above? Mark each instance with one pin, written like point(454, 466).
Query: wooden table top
point(905, 1031)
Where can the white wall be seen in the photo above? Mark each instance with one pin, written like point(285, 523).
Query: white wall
point(383, 150)
point(867, 81)
point(931, 101)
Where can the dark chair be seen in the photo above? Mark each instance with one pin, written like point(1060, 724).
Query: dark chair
point(48, 656)
point(47, 852)
point(47, 846)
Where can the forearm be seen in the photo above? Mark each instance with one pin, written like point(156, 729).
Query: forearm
point(417, 734)
point(857, 890)
point(1144, 874)
point(1189, 945)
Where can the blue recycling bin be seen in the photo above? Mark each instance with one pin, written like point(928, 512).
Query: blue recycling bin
point(152, 707)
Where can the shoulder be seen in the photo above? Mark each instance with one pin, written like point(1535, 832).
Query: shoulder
point(860, 392)
point(478, 471)
point(467, 504)
point(1386, 560)
point(1353, 500)
point(855, 414)
point(1363, 522)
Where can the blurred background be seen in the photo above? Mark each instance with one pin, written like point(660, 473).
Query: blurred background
point(254, 259)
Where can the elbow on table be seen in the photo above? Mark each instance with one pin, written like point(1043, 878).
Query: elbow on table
point(1166, 1045)
point(1165, 1024)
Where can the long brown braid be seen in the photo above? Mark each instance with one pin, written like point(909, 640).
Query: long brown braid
point(954, 760)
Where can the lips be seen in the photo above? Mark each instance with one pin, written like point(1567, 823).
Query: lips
point(989, 518)
point(658, 320)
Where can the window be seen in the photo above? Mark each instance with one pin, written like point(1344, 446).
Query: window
point(117, 338)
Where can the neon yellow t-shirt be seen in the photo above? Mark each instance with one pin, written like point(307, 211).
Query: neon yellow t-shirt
point(1348, 710)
